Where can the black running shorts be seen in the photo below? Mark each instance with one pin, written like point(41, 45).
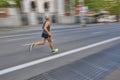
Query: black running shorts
point(44, 35)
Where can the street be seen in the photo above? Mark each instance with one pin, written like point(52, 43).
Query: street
point(76, 43)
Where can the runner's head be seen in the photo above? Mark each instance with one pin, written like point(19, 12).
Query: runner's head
point(47, 18)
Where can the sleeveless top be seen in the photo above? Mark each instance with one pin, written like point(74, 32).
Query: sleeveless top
point(48, 28)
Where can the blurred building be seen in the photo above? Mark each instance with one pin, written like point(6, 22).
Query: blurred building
point(9, 16)
point(33, 12)
point(61, 11)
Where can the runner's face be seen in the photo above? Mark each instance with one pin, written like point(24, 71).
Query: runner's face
point(48, 18)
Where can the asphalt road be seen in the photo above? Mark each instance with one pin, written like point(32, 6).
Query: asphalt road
point(16, 63)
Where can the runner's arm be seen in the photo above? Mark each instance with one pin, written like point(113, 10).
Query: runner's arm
point(45, 28)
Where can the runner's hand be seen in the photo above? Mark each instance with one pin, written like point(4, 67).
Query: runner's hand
point(49, 34)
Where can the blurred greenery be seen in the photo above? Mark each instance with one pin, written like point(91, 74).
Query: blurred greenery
point(67, 6)
point(113, 6)
point(6, 3)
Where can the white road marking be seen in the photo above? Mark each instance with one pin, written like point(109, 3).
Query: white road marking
point(28, 34)
point(18, 67)
point(18, 35)
point(19, 39)
point(26, 44)
point(100, 32)
point(67, 30)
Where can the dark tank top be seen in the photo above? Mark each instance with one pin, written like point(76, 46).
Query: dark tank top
point(48, 28)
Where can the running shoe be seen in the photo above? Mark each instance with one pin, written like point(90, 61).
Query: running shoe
point(31, 46)
point(54, 50)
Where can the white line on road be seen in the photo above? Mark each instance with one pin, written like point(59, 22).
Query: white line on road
point(11, 69)
point(100, 32)
point(19, 39)
point(28, 34)
point(18, 35)
point(26, 44)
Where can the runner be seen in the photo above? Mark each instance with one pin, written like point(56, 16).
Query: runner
point(46, 35)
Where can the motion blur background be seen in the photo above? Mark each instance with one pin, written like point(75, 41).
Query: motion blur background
point(32, 12)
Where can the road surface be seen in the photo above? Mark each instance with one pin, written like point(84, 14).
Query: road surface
point(16, 63)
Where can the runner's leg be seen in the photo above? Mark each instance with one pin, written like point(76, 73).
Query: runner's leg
point(50, 42)
point(54, 50)
point(42, 42)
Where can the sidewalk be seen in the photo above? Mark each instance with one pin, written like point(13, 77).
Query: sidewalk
point(113, 75)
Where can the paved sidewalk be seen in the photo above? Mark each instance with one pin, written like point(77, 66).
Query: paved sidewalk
point(114, 75)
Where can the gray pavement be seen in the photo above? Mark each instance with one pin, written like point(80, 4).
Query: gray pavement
point(66, 37)
point(93, 67)
point(113, 75)
point(10, 30)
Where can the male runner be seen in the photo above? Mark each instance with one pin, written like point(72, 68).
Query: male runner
point(46, 35)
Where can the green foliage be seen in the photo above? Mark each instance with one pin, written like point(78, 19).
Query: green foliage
point(6, 4)
point(67, 5)
point(3, 4)
point(113, 6)
point(95, 5)
point(77, 2)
